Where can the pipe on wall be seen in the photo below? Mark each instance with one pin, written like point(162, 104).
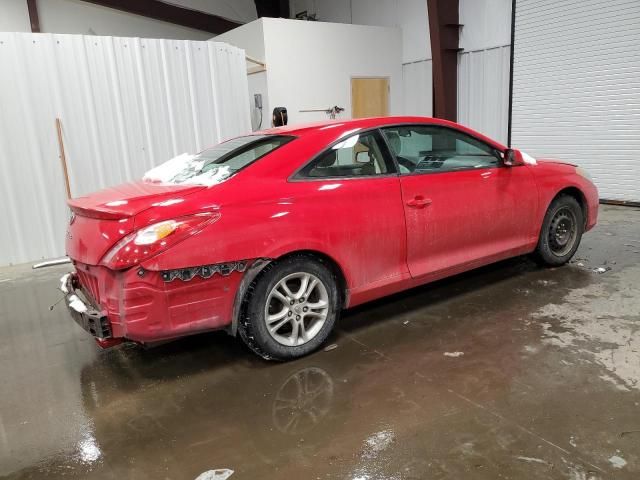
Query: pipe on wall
point(513, 37)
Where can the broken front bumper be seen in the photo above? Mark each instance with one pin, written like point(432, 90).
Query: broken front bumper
point(91, 319)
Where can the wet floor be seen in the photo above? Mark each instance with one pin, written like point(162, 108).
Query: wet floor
point(510, 371)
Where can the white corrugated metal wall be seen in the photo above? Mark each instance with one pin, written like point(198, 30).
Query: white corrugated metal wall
point(416, 88)
point(483, 91)
point(126, 104)
point(483, 66)
point(577, 88)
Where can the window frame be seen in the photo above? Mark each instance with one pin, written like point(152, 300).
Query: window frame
point(441, 127)
point(388, 157)
point(249, 146)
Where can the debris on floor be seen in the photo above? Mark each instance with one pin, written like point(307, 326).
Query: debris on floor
point(617, 461)
point(406, 322)
point(453, 354)
point(328, 348)
point(532, 460)
point(218, 474)
point(601, 269)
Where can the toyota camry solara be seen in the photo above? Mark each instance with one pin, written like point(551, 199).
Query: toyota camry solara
point(270, 235)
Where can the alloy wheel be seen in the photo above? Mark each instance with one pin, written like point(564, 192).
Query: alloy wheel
point(296, 309)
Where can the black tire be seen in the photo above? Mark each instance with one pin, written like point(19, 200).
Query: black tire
point(561, 232)
point(252, 326)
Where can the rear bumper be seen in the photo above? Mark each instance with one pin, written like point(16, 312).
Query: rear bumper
point(85, 314)
point(143, 306)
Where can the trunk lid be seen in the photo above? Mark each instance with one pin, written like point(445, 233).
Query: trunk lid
point(101, 219)
point(128, 199)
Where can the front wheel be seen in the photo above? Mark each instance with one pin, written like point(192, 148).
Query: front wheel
point(561, 231)
point(290, 309)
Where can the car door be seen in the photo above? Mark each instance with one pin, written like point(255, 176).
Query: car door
point(461, 204)
point(349, 199)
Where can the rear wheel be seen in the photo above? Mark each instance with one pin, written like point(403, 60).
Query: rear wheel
point(290, 309)
point(561, 231)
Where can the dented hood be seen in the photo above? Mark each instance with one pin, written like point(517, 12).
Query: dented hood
point(129, 199)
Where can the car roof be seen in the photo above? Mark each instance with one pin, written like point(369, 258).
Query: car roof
point(340, 126)
point(306, 128)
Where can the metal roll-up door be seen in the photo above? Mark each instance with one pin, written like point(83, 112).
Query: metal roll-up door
point(576, 88)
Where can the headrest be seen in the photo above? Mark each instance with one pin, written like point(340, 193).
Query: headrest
point(327, 160)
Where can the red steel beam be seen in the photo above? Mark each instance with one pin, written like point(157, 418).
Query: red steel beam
point(444, 33)
point(33, 16)
point(168, 12)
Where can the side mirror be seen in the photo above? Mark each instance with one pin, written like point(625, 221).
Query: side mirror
point(512, 157)
point(362, 157)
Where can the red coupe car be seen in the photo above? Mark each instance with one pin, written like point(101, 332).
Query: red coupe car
point(271, 235)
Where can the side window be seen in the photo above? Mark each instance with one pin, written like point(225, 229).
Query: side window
point(356, 156)
point(428, 149)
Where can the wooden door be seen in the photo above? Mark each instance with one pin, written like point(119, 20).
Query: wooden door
point(369, 97)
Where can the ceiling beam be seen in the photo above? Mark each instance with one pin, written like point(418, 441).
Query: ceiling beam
point(33, 16)
point(272, 8)
point(168, 12)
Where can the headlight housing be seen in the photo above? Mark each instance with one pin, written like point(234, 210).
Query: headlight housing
point(153, 239)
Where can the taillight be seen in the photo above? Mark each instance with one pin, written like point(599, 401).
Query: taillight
point(148, 241)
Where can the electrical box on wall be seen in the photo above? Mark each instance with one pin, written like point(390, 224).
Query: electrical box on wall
point(257, 100)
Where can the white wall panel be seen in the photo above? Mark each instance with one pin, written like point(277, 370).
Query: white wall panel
point(577, 89)
point(483, 91)
point(300, 80)
point(338, 11)
point(486, 24)
point(14, 16)
point(418, 88)
point(408, 15)
point(126, 104)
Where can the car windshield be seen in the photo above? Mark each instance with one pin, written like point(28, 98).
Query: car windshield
point(217, 163)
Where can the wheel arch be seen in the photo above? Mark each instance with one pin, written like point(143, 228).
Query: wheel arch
point(328, 261)
point(260, 264)
point(580, 197)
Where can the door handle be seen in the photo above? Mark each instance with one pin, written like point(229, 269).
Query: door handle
point(419, 202)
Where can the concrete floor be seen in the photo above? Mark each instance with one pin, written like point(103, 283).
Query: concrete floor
point(511, 371)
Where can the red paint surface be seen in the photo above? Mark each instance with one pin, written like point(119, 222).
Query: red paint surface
point(385, 233)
